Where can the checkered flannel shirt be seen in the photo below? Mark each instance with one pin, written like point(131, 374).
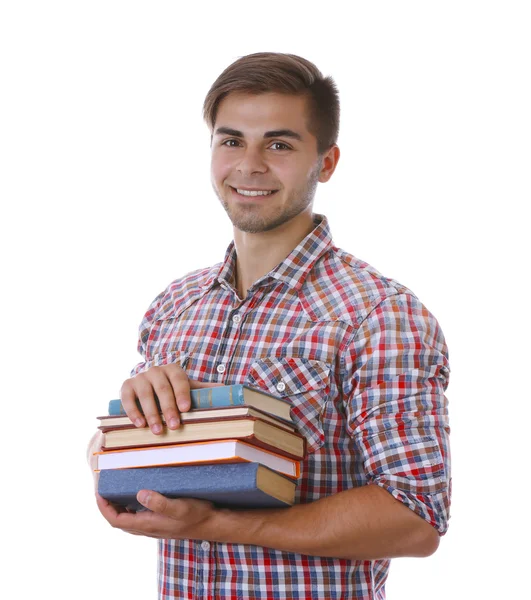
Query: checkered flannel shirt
point(363, 364)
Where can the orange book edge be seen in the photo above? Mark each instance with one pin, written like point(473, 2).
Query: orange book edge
point(211, 461)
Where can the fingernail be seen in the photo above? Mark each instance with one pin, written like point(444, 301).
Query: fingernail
point(139, 422)
point(143, 497)
point(183, 403)
point(156, 428)
point(174, 423)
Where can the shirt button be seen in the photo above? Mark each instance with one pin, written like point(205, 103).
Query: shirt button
point(281, 386)
point(236, 318)
point(220, 368)
point(205, 546)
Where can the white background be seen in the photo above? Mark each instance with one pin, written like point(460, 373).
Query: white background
point(106, 198)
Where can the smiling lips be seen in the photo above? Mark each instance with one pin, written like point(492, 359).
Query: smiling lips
point(243, 192)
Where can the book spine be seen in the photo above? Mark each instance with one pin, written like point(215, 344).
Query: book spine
point(215, 397)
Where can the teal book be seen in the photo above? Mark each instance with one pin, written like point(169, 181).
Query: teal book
point(228, 395)
point(241, 485)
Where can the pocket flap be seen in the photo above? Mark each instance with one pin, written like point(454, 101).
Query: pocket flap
point(288, 376)
point(304, 383)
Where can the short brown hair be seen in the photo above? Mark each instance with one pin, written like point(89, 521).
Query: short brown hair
point(286, 74)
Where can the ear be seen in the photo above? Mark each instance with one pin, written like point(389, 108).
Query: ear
point(329, 161)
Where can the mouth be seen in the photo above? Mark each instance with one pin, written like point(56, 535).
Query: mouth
point(252, 194)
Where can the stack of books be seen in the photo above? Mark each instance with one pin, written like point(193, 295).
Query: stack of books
point(236, 447)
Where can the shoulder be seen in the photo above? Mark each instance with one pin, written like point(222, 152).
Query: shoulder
point(344, 288)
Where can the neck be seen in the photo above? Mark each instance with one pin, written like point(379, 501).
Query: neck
point(259, 253)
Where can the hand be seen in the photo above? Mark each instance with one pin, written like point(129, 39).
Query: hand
point(182, 518)
point(170, 385)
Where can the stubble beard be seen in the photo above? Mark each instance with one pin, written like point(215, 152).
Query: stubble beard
point(254, 219)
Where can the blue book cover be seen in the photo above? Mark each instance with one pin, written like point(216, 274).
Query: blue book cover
point(241, 485)
point(227, 395)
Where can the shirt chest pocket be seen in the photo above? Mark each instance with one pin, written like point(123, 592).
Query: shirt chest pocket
point(304, 384)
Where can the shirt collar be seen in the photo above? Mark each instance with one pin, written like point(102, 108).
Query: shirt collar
point(293, 270)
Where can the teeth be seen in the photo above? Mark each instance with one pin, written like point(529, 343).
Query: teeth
point(254, 193)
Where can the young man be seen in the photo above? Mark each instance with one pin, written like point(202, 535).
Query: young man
point(360, 359)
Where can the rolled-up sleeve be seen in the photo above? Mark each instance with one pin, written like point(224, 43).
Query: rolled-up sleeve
point(396, 406)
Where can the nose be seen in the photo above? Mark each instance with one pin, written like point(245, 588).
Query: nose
point(251, 162)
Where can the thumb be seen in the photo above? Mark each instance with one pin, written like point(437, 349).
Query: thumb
point(153, 500)
point(175, 508)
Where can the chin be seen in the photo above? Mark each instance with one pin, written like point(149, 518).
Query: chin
point(260, 223)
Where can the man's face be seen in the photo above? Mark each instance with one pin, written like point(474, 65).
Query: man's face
point(265, 166)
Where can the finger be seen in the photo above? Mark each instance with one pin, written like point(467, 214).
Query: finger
point(144, 385)
point(108, 510)
point(118, 516)
point(176, 508)
point(172, 389)
point(129, 398)
point(153, 500)
point(180, 386)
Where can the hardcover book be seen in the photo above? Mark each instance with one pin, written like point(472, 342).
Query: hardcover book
point(224, 451)
point(108, 422)
point(244, 485)
point(228, 395)
point(255, 431)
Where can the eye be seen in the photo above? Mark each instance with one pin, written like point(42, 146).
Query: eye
point(279, 146)
point(232, 143)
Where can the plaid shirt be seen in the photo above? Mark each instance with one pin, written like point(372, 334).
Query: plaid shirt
point(363, 364)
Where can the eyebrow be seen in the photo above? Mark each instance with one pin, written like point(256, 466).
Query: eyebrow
point(289, 133)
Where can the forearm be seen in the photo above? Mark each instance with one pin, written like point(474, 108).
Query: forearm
point(360, 524)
